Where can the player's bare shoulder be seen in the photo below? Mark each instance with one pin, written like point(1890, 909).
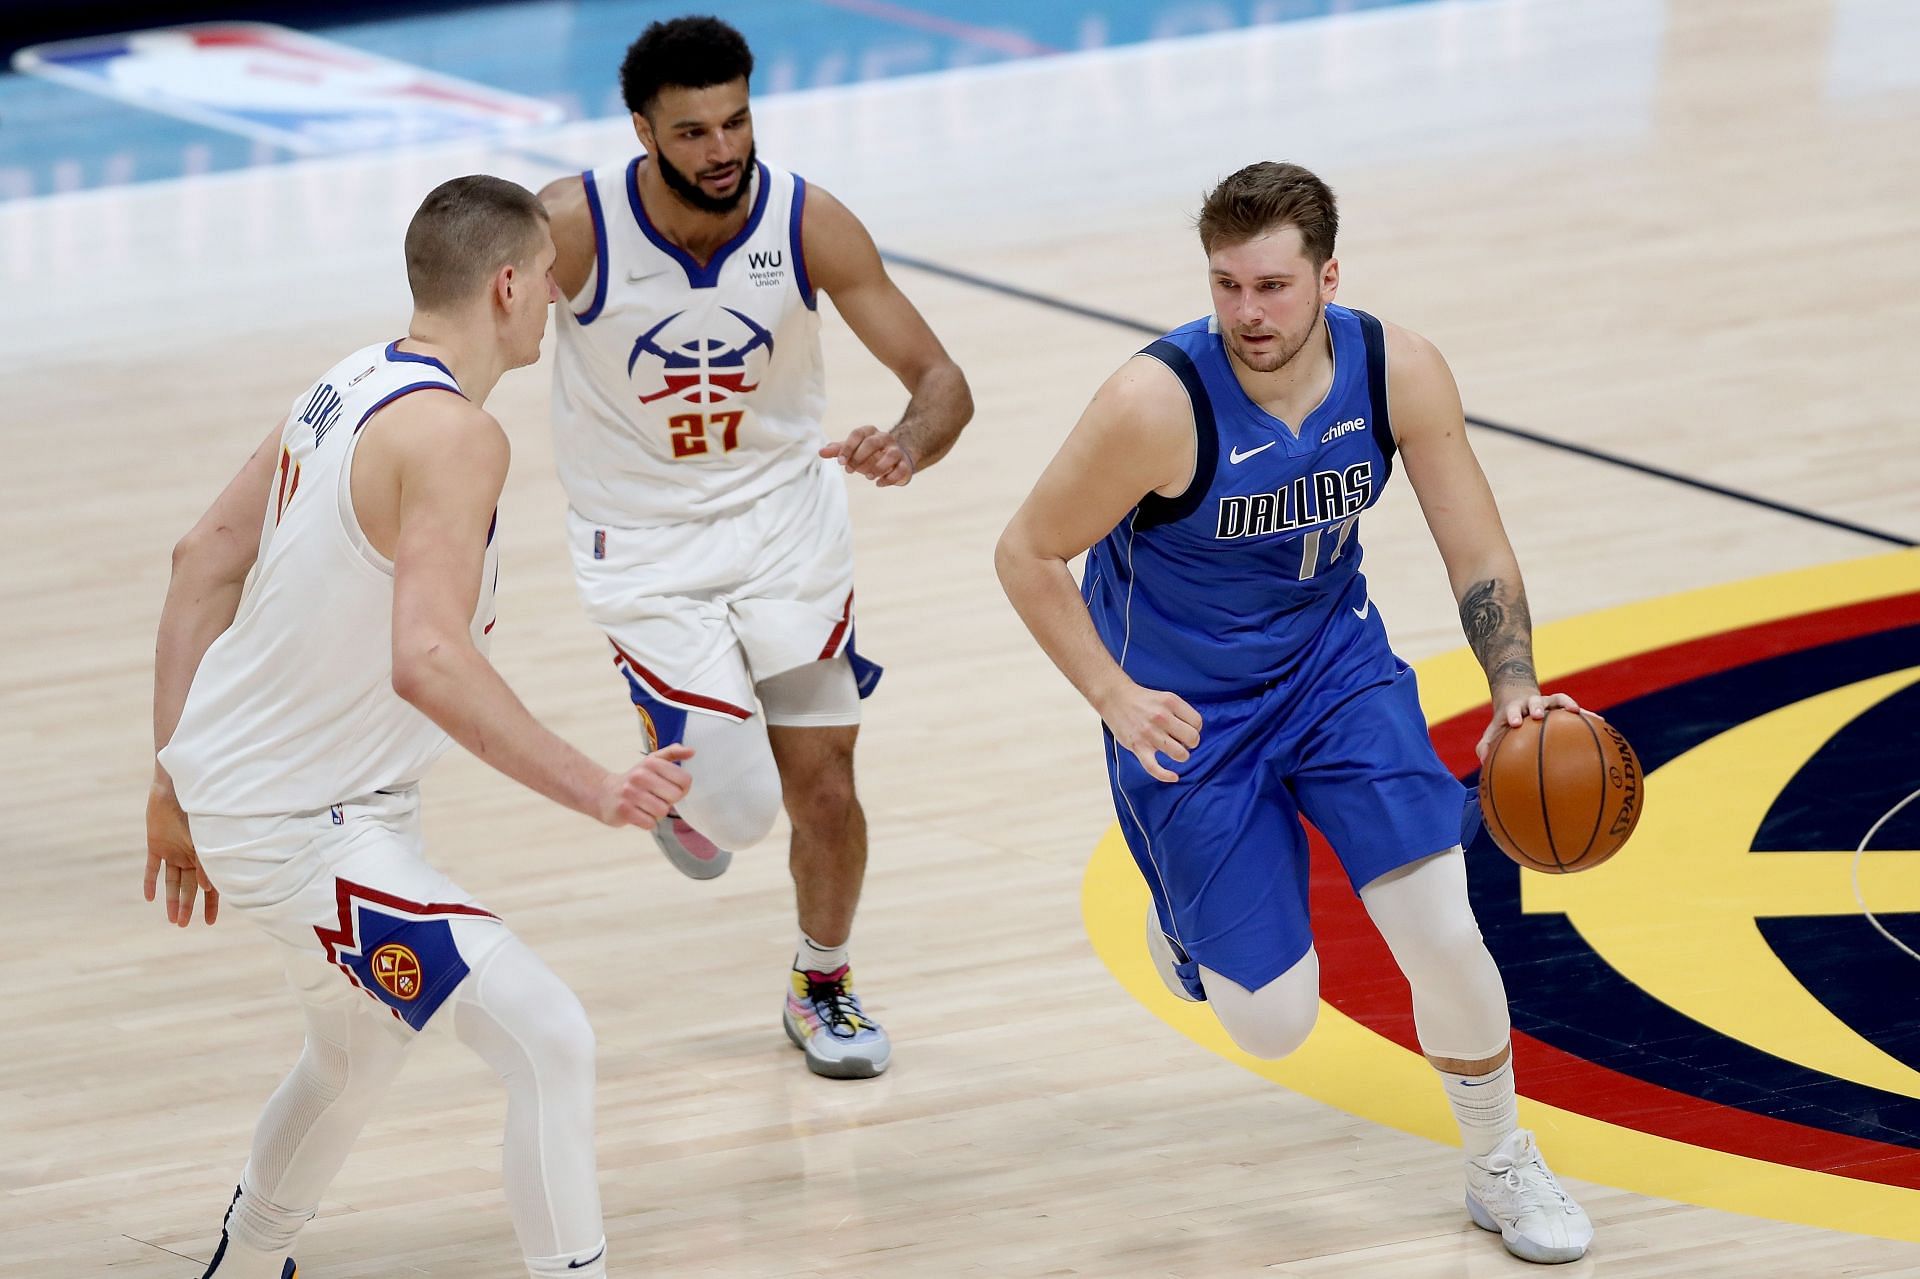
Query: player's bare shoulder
point(571, 219)
point(1144, 420)
point(839, 250)
point(442, 429)
point(1421, 394)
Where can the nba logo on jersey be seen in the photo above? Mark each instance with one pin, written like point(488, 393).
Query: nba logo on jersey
point(700, 368)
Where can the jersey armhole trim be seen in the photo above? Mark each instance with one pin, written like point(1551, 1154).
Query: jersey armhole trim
point(592, 312)
point(1154, 509)
point(1375, 340)
point(795, 215)
point(408, 389)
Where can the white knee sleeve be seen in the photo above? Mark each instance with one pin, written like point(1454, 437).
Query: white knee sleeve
point(736, 788)
point(1459, 1001)
point(527, 1025)
point(1274, 1020)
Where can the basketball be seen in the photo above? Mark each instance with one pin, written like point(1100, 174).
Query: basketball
point(1561, 794)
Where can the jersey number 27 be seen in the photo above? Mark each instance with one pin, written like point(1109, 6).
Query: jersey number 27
point(692, 436)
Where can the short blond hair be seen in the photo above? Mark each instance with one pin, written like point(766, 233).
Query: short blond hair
point(465, 230)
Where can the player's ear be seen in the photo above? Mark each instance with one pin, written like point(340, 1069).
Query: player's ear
point(504, 281)
point(643, 130)
point(1329, 279)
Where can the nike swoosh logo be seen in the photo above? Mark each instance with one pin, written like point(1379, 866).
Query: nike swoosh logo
point(582, 1265)
point(1237, 457)
point(1366, 606)
point(634, 277)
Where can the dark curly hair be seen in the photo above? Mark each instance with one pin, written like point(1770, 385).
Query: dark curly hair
point(686, 53)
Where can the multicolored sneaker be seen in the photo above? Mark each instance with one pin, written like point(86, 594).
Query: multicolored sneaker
point(692, 854)
point(1513, 1192)
point(289, 1271)
point(824, 1020)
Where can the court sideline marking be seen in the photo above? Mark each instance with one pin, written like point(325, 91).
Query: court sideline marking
point(1518, 433)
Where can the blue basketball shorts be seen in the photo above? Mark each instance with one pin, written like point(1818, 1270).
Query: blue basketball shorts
point(1223, 850)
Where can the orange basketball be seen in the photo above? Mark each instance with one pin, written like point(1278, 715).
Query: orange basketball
point(1561, 794)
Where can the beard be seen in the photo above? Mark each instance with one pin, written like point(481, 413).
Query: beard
point(689, 190)
point(1276, 357)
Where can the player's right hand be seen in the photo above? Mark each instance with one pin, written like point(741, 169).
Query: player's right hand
point(1150, 724)
point(170, 844)
point(643, 794)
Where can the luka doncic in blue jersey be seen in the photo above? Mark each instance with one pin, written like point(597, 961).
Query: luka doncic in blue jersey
point(1227, 588)
point(1244, 596)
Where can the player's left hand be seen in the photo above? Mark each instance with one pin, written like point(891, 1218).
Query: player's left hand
point(1509, 711)
point(170, 844)
point(875, 454)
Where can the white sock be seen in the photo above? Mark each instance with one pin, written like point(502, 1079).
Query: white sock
point(1484, 1107)
point(812, 957)
point(241, 1262)
point(591, 1264)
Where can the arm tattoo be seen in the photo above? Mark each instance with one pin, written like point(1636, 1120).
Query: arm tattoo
point(1500, 630)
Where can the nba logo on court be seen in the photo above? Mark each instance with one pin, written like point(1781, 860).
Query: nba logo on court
point(280, 86)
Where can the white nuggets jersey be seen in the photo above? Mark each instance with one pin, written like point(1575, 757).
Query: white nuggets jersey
point(293, 708)
point(685, 391)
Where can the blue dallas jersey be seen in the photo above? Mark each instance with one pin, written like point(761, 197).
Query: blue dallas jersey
point(1252, 572)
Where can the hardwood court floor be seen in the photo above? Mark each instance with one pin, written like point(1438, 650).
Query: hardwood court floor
point(1679, 233)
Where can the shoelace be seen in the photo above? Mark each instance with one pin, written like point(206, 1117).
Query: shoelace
point(837, 1007)
point(1535, 1192)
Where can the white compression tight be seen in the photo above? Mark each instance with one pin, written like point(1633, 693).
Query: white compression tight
point(736, 787)
point(1422, 911)
point(525, 1023)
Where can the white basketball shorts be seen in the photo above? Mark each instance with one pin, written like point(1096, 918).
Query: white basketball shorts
point(700, 612)
point(351, 899)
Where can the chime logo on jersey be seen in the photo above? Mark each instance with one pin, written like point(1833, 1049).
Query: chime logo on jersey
point(676, 358)
point(1710, 1016)
point(397, 969)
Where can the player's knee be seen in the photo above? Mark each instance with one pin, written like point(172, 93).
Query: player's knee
point(1444, 942)
point(737, 817)
point(824, 801)
point(561, 1029)
point(1276, 1032)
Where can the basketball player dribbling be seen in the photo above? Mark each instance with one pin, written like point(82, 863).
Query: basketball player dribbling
point(1218, 478)
point(708, 519)
point(296, 712)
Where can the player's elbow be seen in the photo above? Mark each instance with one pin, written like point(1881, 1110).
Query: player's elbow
point(210, 555)
point(425, 667)
point(962, 395)
point(1014, 559)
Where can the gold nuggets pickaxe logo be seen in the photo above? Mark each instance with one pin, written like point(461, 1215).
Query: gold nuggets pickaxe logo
point(649, 730)
point(397, 969)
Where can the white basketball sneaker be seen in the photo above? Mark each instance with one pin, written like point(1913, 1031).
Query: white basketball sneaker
point(1513, 1192)
point(1160, 950)
point(692, 854)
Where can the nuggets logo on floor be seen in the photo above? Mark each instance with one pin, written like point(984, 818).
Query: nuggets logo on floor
point(1710, 1016)
point(397, 969)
